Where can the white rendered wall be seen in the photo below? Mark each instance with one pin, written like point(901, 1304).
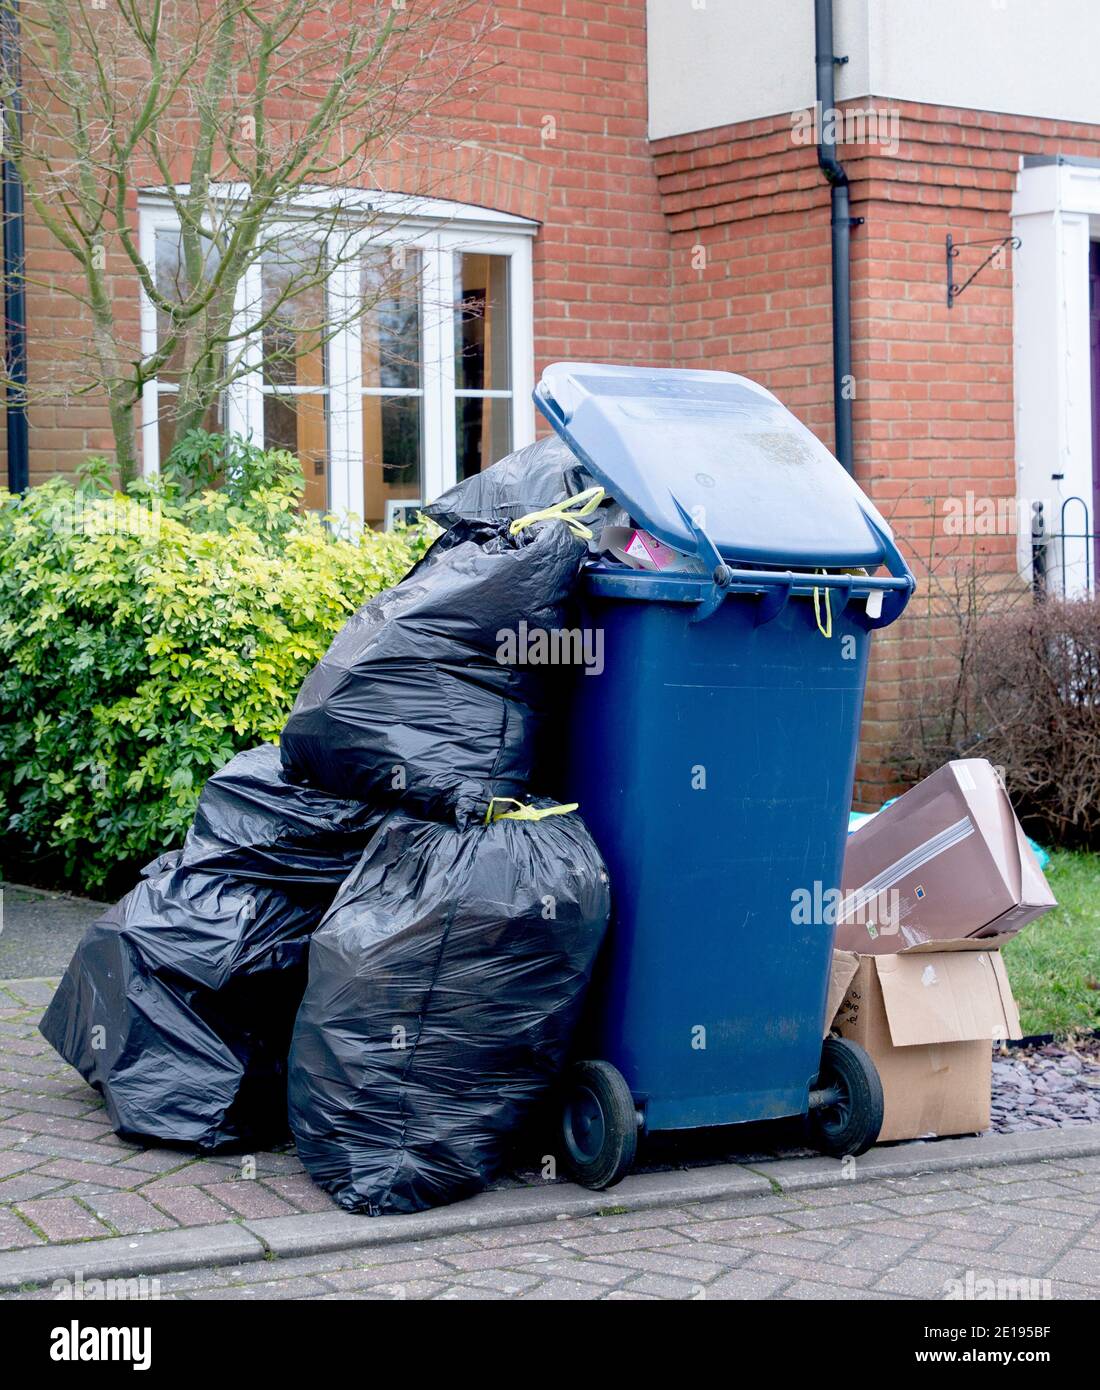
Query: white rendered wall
point(717, 62)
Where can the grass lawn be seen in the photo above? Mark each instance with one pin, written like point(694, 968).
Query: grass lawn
point(1054, 964)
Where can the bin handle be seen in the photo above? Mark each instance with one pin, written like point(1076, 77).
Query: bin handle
point(721, 574)
point(777, 585)
point(549, 407)
point(901, 591)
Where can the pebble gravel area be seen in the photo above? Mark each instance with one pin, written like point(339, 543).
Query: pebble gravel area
point(1046, 1086)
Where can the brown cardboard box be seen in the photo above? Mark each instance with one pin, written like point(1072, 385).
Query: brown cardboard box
point(928, 1016)
point(947, 860)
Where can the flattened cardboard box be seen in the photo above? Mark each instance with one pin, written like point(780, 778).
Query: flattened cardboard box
point(928, 1016)
point(948, 859)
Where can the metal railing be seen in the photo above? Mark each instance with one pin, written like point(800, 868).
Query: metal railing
point(1048, 546)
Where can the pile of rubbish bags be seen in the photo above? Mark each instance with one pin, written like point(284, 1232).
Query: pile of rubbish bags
point(374, 931)
point(179, 1002)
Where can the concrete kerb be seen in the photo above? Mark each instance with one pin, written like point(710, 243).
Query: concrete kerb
point(119, 1257)
point(326, 1232)
point(910, 1159)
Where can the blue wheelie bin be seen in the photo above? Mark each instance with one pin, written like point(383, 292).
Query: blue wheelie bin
point(713, 756)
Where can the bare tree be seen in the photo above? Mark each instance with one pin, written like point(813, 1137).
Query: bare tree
point(249, 117)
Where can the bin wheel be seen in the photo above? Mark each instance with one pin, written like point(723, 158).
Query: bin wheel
point(599, 1125)
point(848, 1114)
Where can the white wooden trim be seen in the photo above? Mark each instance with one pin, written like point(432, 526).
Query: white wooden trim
point(437, 443)
point(149, 224)
point(345, 427)
point(521, 289)
point(392, 207)
point(245, 409)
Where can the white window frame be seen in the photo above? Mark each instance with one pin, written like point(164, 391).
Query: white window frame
point(437, 230)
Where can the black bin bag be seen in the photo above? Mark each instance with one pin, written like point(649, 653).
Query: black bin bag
point(175, 1062)
point(527, 481)
point(415, 698)
point(444, 987)
point(179, 1001)
point(254, 820)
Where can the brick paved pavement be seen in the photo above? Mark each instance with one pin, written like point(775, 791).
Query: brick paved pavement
point(67, 1181)
point(65, 1176)
point(903, 1238)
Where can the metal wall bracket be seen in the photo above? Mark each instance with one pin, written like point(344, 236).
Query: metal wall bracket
point(953, 249)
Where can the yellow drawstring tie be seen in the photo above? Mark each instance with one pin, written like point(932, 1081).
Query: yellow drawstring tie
point(826, 628)
point(570, 511)
point(525, 810)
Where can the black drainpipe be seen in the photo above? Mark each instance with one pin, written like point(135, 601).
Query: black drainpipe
point(15, 298)
point(841, 230)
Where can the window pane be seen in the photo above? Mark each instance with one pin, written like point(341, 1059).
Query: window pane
point(294, 332)
point(293, 310)
point(173, 281)
point(481, 323)
point(483, 426)
point(391, 453)
point(389, 286)
point(300, 423)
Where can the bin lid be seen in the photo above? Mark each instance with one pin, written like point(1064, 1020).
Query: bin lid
point(762, 486)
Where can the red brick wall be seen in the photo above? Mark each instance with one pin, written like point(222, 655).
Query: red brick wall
point(601, 258)
point(561, 137)
point(65, 427)
point(748, 215)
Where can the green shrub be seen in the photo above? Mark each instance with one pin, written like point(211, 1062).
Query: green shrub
point(146, 638)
